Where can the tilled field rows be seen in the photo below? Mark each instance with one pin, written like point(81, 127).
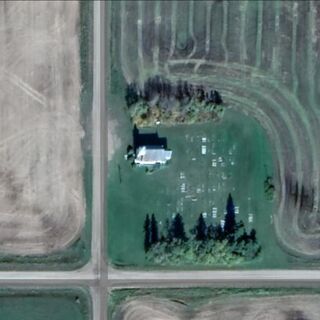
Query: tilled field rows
point(41, 195)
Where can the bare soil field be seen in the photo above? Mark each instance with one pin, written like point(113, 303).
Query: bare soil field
point(41, 189)
point(289, 307)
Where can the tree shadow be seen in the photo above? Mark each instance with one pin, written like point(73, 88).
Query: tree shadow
point(147, 139)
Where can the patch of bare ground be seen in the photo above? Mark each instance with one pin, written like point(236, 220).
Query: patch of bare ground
point(113, 139)
point(42, 206)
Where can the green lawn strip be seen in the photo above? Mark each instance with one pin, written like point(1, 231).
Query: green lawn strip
point(38, 304)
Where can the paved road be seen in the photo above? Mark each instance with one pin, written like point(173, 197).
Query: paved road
point(217, 276)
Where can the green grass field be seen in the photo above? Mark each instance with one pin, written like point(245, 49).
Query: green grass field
point(40, 304)
point(209, 161)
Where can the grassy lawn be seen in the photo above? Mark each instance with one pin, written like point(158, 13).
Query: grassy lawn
point(40, 304)
point(209, 161)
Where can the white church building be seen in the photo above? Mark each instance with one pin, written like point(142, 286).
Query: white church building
point(152, 155)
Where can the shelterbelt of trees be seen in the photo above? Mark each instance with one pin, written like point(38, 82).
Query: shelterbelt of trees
point(205, 245)
point(161, 101)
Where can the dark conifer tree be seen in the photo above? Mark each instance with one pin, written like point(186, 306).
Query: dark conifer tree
point(168, 89)
point(240, 225)
point(245, 237)
point(154, 230)
point(147, 90)
point(201, 229)
point(253, 235)
point(200, 94)
point(191, 90)
point(147, 233)
point(132, 94)
point(239, 230)
point(219, 234)
point(211, 232)
point(178, 231)
point(230, 220)
point(186, 91)
point(207, 97)
point(216, 98)
point(179, 90)
point(162, 237)
point(168, 231)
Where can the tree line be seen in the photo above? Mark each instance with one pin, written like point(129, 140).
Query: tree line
point(163, 88)
point(230, 244)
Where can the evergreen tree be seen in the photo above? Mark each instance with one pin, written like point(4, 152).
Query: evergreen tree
point(168, 231)
point(132, 94)
point(162, 237)
point(219, 234)
point(239, 231)
point(245, 237)
point(177, 228)
point(154, 230)
point(147, 233)
point(253, 235)
point(215, 233)
point(179, 90)
point(211, 232)
point(216, 97)
point(201, 229)
point(186, 91)
point(230, 220)
point(200, 95)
